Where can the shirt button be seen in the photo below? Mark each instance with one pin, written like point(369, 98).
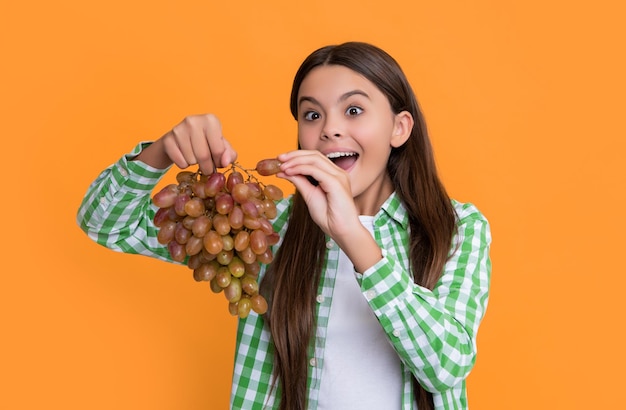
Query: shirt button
point(370, 294)
point(124, 172)
point(313, 362)
point(103, 200)
point(320, 298)
point(330, 244)
point(396, 333)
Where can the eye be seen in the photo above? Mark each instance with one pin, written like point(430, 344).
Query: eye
point(311, 115)
point(354, 111)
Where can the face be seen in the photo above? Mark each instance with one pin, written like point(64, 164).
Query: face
point(346, 117)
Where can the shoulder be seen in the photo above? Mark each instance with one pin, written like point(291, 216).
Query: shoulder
point(467, 212)
point(471, 222)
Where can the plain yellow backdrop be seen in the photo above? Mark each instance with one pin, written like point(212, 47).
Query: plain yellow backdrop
point(524, 102)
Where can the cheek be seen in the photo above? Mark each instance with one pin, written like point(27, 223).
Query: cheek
point(306, 137)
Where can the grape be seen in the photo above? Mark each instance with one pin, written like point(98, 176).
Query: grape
point(242, 240)
point(214, 184)
point(181, 234)
point(250, 209)
point(258, 304)
point(236, 267)
point(253, 269)
point(201, 226)
point(180, 202)
point(177, 251)
point(267, 167)
point(206, 255)
point(233, 290)
point(185, 176)
point(224, 257)
point(251, 222)
point(235, 218)
point(205, 272)
point(223, 276)
point(228, 242)
point(266, 257)
point(215, 287)
point(213, 242)
point(194, 245)
point(172, 215)
point(243, 307)
point(194, 207)
point(266, 226)
point(255, 189)
point(198, 189)
point(247, 255)
point(166, 232)
point(219, 226)
point(188, 222)
point(166, 197)
point(234, 178)
point(273, 192)
point(258, 241)
point(258, 203)
point(273, 239)
point(224, 203)
point(269, 208)
point(250, 285)
point(195, 261)
point(162, 215)
point(233, 309)
point(240, 193)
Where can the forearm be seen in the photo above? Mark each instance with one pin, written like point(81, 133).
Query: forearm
point(361, 249)
point(155, 156)
point(428, 338)
point(117, 212)
point(434, 332)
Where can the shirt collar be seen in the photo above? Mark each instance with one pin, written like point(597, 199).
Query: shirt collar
point(393, 208)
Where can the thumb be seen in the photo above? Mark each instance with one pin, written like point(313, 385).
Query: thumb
point(229, 155)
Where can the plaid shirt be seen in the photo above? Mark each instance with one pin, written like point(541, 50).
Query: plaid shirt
point(433, 332)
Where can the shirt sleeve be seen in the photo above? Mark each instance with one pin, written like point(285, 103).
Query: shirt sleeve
point(117, 210)
point(434, 332)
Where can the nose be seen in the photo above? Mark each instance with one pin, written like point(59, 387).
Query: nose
point(331, 129)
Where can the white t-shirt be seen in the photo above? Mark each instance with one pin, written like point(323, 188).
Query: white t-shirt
point(361, 369)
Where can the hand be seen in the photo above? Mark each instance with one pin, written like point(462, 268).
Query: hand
point(198, 140)
point(330, 202)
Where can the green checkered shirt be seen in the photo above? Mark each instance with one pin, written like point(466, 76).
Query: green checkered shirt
point(433, 332)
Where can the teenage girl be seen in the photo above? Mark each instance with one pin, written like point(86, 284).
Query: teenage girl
point(380, 280)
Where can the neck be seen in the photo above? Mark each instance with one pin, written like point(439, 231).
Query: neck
point(370, 201)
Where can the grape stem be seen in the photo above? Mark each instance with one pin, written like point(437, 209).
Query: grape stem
point(248, 171)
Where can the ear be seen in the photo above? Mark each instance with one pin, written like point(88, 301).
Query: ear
point(403, 125)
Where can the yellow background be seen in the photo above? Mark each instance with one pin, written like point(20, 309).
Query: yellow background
point(525, 106)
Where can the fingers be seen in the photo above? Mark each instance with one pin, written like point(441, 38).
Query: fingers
point(310, 164)
point(228, 156)
point(198, 140)
point(172, 150)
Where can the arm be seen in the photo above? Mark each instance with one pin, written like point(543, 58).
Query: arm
point(434, 332)
point(117, 211)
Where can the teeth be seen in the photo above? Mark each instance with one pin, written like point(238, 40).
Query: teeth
point(334, 155)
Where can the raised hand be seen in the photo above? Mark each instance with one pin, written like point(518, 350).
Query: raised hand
point(197, 139)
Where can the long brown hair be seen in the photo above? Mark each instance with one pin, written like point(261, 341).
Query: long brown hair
point(291, 282)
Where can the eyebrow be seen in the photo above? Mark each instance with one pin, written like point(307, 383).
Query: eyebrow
point(342, 98)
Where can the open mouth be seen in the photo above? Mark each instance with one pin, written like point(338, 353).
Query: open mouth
point(343, 160)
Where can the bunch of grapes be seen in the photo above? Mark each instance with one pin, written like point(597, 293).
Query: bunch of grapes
point(220, 224)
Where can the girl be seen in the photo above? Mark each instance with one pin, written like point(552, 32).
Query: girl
point(380, 281)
